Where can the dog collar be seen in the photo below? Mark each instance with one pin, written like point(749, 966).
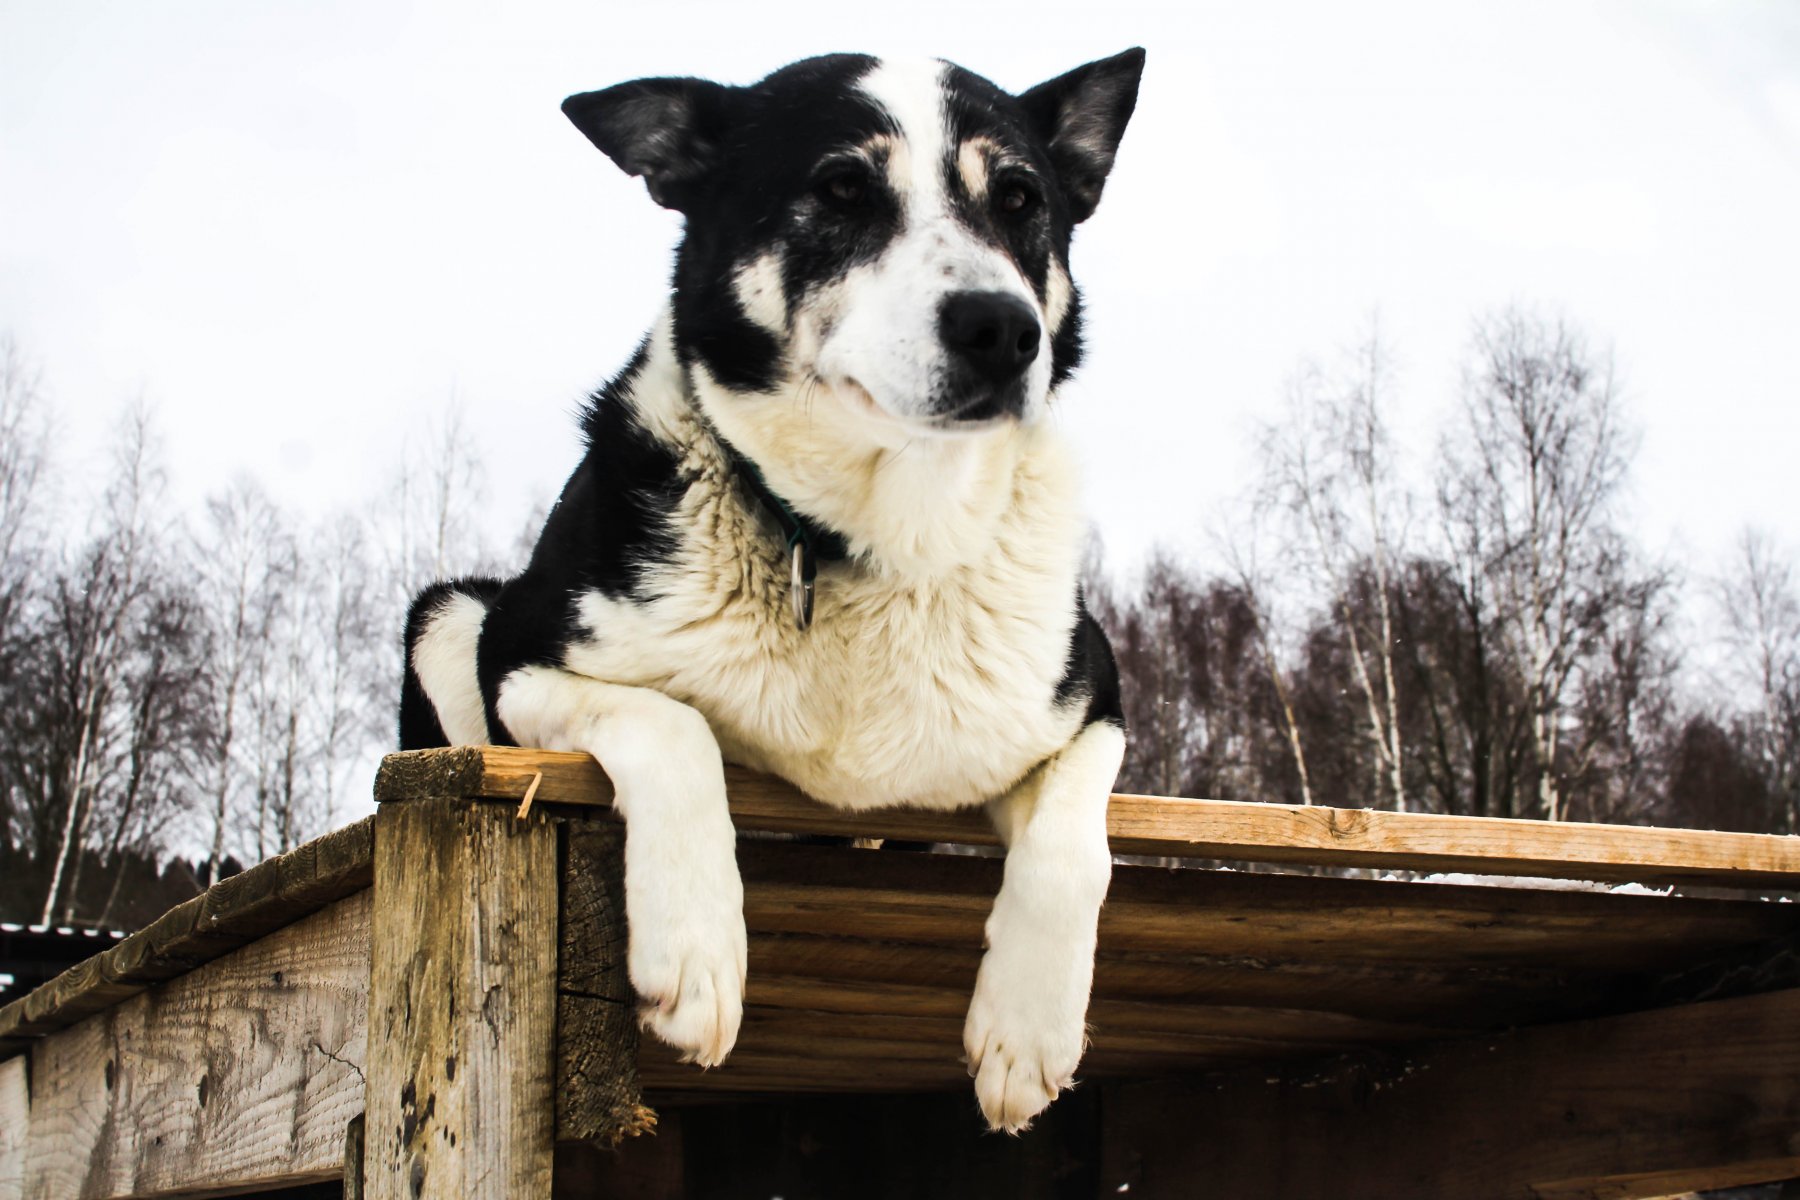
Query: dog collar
point(807, 541)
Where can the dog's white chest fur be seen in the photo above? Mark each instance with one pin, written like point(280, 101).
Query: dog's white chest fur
point(934, 690)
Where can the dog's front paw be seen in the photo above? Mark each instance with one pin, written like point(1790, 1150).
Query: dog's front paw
point(1025, 1033)
point(687, 960)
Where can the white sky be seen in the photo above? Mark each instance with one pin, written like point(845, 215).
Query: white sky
point(301, 228)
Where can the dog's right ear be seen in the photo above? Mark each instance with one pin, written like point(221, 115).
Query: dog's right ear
point(667, 130)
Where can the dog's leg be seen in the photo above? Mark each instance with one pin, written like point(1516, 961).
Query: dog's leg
point(684, 899)
point(1027, 1022)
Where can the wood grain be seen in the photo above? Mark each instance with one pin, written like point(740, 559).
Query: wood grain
point(244, 1071)
point(942, 899)
point(232, 913)
point(1173, 827)
point(1648, 1104)
point(15, 1119)
point(462, 1004)
point(597, 1097)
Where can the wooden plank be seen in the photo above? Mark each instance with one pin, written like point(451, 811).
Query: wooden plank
point(1647, 1104)
point(355, 1147)
point(242, 1073)
point(462, 1004)
point(1480, 997)
point(597, 1097)
point(943, 900)
point(1211, 829)
point(15, 1119)
point(232, 913)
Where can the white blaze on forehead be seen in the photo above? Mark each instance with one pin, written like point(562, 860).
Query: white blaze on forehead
point(911, 91)
point(884, 340)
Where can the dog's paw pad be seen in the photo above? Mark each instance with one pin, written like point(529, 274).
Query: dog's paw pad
point(1022, 1054)
point(700, 1016)
point(1014, 1089)
point(689, 978)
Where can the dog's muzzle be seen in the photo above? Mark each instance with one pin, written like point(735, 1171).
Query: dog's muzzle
point(992, 337)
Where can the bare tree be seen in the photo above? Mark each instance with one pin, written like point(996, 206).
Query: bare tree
point(1532, 479)
point(1624, 713)
point(95, 610)
point(1243, 543)
point(23, 436)
point(1331, 468)
point(1759, 609)
point(279, 749)
point(239, 555)
point(347, 633)
point(433, 527)
point(161, 722)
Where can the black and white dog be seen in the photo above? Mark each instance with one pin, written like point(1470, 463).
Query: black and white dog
point(824, 529)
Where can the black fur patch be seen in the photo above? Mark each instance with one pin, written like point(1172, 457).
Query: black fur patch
point(1091, 671)
point(609, 526)
point(420, 728)
point(762, 197)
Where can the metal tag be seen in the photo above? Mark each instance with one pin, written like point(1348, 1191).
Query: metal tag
point(800, 589)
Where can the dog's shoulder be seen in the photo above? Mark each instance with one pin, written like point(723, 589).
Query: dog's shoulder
point(1091, 674)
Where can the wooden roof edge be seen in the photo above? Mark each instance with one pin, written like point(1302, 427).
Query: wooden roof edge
point(1230, 830)
point(231, 913)
point(282, 890)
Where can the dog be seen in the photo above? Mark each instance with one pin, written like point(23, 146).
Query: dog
point(824, 529)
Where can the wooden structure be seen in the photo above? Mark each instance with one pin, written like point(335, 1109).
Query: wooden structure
point(432, 1003)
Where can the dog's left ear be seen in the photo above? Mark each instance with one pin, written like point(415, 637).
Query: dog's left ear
point(1081, 116)
point(667, 130)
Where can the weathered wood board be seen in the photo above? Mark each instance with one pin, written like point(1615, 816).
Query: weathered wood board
point(231, 913)
point(14, 1120)
point(462, 1004)
point(245, 1070)
point(1699, 1096)
point(862, 963)
point(1164, 826)
point(501, 1018)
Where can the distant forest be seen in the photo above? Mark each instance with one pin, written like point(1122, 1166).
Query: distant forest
point(1484, 638)
point(1488, 641)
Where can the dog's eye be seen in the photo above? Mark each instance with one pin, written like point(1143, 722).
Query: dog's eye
point(845, 189)
point(1015, 198)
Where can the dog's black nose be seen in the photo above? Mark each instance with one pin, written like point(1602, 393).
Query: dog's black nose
point(995, 333)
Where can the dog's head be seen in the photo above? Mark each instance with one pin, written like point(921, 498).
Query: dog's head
point(893, 234)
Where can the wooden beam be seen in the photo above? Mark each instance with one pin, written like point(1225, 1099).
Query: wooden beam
point(1648, 1104)
point(1162, 826)
point(232, 913)
point(462, 1004)
point(243, 1073)
point(597, 1097)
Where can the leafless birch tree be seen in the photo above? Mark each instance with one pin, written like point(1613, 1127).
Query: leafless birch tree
point(1535, 470)
point(96, 607)
point(1330, 466)
point(239, 555)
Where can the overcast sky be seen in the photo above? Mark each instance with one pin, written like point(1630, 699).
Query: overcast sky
point(301, 229)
